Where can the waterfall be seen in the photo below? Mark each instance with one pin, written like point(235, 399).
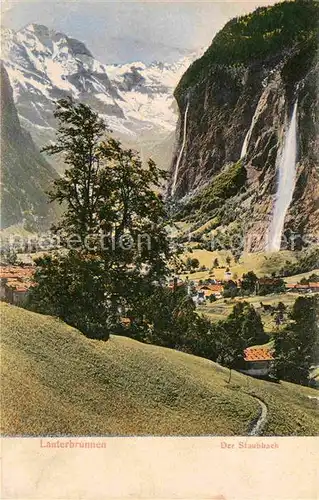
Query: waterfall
point(181, 151)
point(286, 175)
point(245, 144)
point(248, 135)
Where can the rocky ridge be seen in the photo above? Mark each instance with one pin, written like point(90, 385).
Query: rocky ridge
point(240, 104)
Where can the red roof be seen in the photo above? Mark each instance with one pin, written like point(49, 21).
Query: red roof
point(16, 272)
point(258, 354)
point(302, 287)
point(213, 288)
point(268, 281)
point(18, 286)
point(8, 275)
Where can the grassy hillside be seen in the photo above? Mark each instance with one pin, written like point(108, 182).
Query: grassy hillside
point(220, 309)
point(209, 200)
point(261, 263)
point(56, 381)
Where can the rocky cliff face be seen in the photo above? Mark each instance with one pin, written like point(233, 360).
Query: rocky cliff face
point(241, 94)
point(25, 175)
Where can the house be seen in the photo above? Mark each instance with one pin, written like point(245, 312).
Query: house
point(16, 292)
point(15, 282)
point(305, 288)
point(208, 290)
point(199, 298)
point(258, 361)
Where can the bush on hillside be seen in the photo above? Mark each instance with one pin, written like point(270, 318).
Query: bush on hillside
point(223, 186)
point(296, 346)
point(307, 260)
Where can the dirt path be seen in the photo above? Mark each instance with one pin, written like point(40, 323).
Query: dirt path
point(262, 419)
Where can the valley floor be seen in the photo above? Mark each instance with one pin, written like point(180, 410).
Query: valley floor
point(220, 309)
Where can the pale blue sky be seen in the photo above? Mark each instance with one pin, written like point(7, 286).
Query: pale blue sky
point(118, 32)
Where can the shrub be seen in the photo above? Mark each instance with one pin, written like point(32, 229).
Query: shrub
point(209, 200)
point(308, 260)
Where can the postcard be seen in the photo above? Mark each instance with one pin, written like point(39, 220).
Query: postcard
point(159, 273)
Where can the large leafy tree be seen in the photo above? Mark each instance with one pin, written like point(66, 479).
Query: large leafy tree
point(84, 188)
point(296, 346)
point(242, 328)
point(113, 228)
point(249, 282)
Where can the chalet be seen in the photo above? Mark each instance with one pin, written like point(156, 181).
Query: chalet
point(15, 282)
point(17, 292)
point(208, 290)
point(258, 361)
point(305, 288)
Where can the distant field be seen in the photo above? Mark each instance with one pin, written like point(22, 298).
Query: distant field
point(55, 381)
point(15, 230)
point(261, 263)
point(29, 258)
point(220, 309)
point(297, 277)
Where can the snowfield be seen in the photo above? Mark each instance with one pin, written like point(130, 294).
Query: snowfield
point(135, 99)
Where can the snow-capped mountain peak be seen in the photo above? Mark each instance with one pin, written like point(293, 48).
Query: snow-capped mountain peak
point(135, 99)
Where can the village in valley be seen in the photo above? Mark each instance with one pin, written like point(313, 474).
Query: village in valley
point(214, 291)
point(205, 291)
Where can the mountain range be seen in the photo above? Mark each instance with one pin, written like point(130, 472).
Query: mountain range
point(136, 100)
point(25, 174)
point(236, 124)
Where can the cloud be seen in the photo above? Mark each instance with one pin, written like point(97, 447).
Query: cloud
point(123, 31)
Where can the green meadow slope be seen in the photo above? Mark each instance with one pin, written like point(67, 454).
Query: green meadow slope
point(56, 381)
